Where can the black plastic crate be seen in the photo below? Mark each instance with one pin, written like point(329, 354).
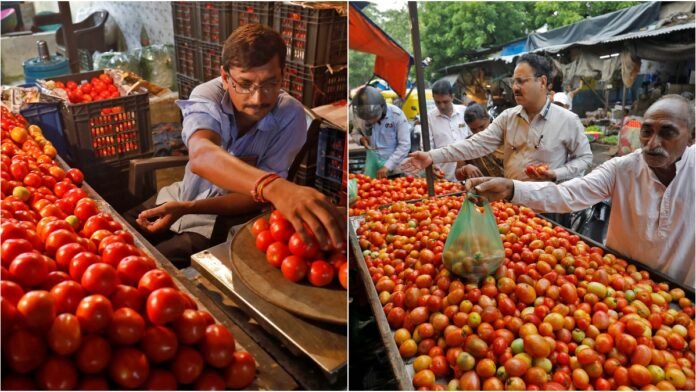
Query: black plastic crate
point(211, 60)
point(188, 57)
point(108, 130)
point(246, 12)
point(185, 19)
point(312, 36)
point(185, 85)
point(110, 180)
point(330, 189)
point(47, 116)
point(330, 153)
point(315, 85)
point(216, 20)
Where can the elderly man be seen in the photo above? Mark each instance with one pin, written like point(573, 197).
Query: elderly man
point(382, 128)
point(652, 219)
point(533, 132)
point(447, 123)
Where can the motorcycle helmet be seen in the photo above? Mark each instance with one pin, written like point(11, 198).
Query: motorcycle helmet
point(369, 104)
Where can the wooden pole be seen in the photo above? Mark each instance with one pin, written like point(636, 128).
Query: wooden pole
point(69, 36)
point(420, 82)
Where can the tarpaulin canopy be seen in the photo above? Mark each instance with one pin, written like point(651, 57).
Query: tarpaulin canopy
point(597, 28)
point(392, 62)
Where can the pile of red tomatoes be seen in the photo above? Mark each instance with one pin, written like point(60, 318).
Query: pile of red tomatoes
point(96, 89)
point(373, 192)
point(296, 259)
point(82, 306)
point(558, 314)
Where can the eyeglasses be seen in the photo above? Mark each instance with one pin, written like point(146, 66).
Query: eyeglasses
point(521, 81)
point(266, 88)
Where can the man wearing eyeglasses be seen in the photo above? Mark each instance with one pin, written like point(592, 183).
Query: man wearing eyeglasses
point(533, 132)
point(242, 133)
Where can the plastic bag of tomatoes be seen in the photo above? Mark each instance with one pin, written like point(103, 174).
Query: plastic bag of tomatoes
point(473, 248)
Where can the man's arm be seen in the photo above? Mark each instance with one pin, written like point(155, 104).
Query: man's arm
point(481, 144)
point(403, 139)
point(572, 195)
point(297, 203)
point(579, 152)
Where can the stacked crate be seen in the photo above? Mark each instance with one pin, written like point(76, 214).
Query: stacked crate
point(186, 19)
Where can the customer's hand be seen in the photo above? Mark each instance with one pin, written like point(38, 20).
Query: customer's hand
point(383, 172)
point(466, 172)
point(304, 205)
point(416, 162)
point(437, 172)
point(164, 216)
point(490, 188)
point(365, 141)
point(544, 175)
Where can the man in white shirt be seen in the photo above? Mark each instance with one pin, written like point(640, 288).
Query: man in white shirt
point(533, 132)
point(652, 217)
point(446, 123)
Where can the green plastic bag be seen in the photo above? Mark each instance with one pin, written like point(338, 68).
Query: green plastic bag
point(352, 191)
point(372, 164)
point(473, 248)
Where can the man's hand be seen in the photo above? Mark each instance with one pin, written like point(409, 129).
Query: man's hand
point(365, 141)
point(165, 214)
point(546, 175)
point(383, 172)
point(491, 188)
point(466, 172)
point(304, 205)
point(416, 162)
point(439, 173)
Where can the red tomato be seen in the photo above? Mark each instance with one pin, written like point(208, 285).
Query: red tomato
point(106, 79)
point(76, 176)
point(190, 327)
point(99, 278)
point(58, 373)
point(241, 372)
point(294, 268)
point(95, 313)
point(11, 291)
point(65, 336)
point(65, 253)
point(127, 297)
point(16, 382)
point(38, 309)
point(29, 269)
point(155, 279)
point(321, 273)
point(94, 354)
point(86, 88)
point(114, 253)
point(67, 295)
point(127, 326)
point(187, 365)
point(23, 351)
point(161, 380)
point(93, 383)
point(85, 208)
point(159, 344)
point(276, 216)
point(129, 368)
point(80, 262)
point(343, 275)
point(264, 240)
point(210, 380)
point(259, 225)
point(299, 248)
point(218, 346)
point(282, 230)
point(132, 268)
point(57, 239)
point(94, 223)
point(276, 252)
point(164, 305)
point(14, 247)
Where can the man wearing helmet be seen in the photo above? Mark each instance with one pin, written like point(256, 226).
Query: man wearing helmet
point(382, 128)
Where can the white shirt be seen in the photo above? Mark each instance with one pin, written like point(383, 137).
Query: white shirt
point(649, 222)
point(555, 137)
point(391, 137)
point(445, 130)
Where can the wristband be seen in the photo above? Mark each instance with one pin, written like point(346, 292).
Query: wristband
point(255, 191)
point(265, 184)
